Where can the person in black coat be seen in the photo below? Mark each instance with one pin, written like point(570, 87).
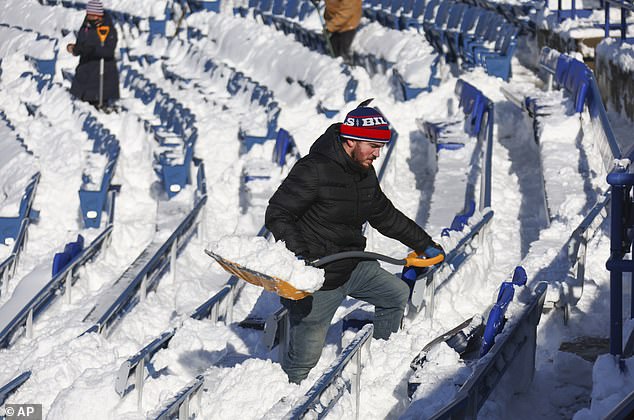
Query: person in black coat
point(320, 209)
point(91, 51)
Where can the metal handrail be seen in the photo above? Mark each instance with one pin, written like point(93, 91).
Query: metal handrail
point(623, 411)
point(11, 386)
point(576, 249)
point(7, 267)
point(487, 371)
point(149, 274)
point(623, 5)
point(135, 364)
point(178, 406)
point(62, 281)
point(312, 399)
point(425, 287)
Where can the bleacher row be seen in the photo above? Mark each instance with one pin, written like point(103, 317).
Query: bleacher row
point(173, 128)
point(468, 107)
point(100, 159)
point(40, 49)
point(467, 114)
point(237, 84)
point(95, 180)
point(477, 36)
point(290, 23)
point(97, 184)
point(13, 228)
point(36, 290)
point(457, 30)
point(404, 14)
point(19, 174)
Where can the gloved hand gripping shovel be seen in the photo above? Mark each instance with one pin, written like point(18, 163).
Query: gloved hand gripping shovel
point(325, 32)
point(287, 290)
point(102, 32)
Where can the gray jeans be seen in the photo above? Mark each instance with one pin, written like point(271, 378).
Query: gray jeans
point(310, 317)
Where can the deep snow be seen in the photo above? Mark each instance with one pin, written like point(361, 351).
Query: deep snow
point(73, 377)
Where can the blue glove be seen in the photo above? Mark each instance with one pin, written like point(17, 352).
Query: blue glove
point(433, 250)
point(303, 259)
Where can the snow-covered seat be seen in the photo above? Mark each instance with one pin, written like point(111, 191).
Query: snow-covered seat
point(572, 76)
point(454, 133)
point(10, 225)
point(98, 172)
point(248, 139)
point(261, 176)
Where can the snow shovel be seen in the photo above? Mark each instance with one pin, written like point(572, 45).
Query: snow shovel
point(102, 32)
point(286, 290)
point(324, 31)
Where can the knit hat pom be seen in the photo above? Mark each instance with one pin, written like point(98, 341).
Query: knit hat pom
point(366, 124)
point(94, 7)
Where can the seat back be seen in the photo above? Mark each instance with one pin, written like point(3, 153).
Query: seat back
point(473, 104)
point(418, 8)
point(495, 320)
point(430, 10)
point(292, 9)
point(407, 6)
point(283, 145)
point(265, 6)
point(577, 83)
point(509, 39)
point(397, 6)
point(442, 13)
point(455, 15)
point(71, 250)
point(278, 7)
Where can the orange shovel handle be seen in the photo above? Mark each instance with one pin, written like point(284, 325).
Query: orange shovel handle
point(413, 260)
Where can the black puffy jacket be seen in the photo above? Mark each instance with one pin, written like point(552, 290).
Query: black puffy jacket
point(90, 51)
point(320, 209)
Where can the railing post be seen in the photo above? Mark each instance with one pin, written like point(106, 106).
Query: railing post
point(616, 311)
point(356, 384)
point(229, 315)
point(607, 20)
point(199, 405)
point(429, 302)
point(284, 326)
point(183, 410)
point(143, 288)
point(29, 324)
point(213, 313)
point(623, 25)
point(616, 275)
point(5, 281)
point(67, 281)
point(173, 261)
point(200, 228)
point(139, 376)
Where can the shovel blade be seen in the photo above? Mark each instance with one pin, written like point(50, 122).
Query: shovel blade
point(270, 283)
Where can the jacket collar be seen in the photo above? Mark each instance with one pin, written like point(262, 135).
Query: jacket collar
point(329, 145)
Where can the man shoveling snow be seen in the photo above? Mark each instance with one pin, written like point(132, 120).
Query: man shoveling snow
point(319, 210)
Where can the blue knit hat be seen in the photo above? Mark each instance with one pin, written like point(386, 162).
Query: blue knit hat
point(94, 7)
point(366, 124)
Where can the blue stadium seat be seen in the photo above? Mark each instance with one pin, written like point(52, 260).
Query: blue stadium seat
point(495, 321)
point(248, 140)
point(10, 226)
point(460, 220)
point(453, 134)
point(71, 250)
